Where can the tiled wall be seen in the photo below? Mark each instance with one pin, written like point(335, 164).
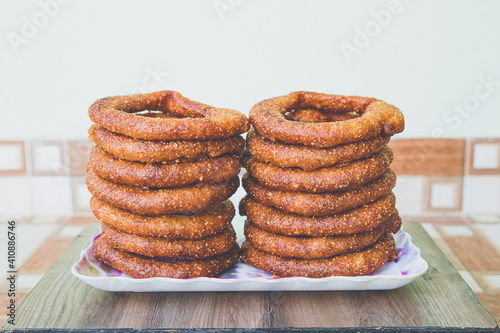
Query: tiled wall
point(43, 177)
point(435, 176)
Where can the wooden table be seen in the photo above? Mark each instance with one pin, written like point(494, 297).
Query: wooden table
point(438, 301)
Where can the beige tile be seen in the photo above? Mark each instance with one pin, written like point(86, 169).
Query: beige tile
point(476, 253)
point(80, 195)
point(489, 231)
point(431, 230)
point(46, 254)
point(16, 198)
point(409, 192)
point(51, 195)
point(26, 281)
point(81, 220)
point(489, 281)
point(29, 239)
point(12, 158)
point(48, 158)
point(443, 194)
point(79, 151)
point(485, 218)
point(482, 194)
point(494, 280)
point(26, 219)
point(484, 157)
point(439, 218)
point(45, 220)
point(448, 252)
point(455, 231)
point(70, 231)
point(470, 281)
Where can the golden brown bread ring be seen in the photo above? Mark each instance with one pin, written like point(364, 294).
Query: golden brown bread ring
point(310, 158)
point(145, 201)
point(317, 247)
point(335, 178)
point(357, 220)
point(214, 170)
point(191, 121)
point(149, 246)
point(141, 267)
point(148, 151)
point(376, 117)
point(320, 204)
point(193, 226)
point(358, 263)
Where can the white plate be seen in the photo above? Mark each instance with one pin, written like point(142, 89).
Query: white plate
point(241, 277)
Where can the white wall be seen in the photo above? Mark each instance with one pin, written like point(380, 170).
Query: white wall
point(430, 58)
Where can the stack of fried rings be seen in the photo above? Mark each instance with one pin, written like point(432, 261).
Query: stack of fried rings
point(319, 188)
point(160, 175)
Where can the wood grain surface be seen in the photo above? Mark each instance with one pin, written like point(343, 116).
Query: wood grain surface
point(439, 300)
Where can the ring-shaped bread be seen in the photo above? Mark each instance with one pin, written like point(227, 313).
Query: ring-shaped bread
point(358, 263)
point(375, 118)
point(317, 247)
point(310, 158)
point(179, 226)
point(212, 170)
point(142, 267)
point(334, 178)
point(149, 151)
point(320, 204)
point(151, 246)
point(157, 201)
point(357, 220)
point(189, 120)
